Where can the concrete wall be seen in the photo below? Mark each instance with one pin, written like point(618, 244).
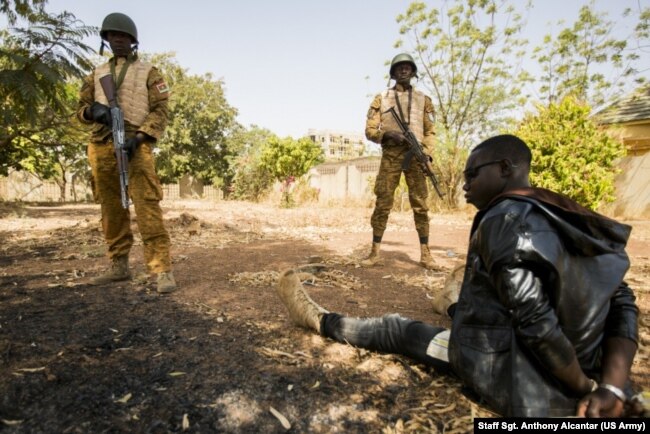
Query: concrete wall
point(632, 192)
point(350, 179)
point(23, 186)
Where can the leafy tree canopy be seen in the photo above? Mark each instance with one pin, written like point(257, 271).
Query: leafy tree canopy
point(584, 59)
point(196, 140)
point(36, 62)
point(463, 57)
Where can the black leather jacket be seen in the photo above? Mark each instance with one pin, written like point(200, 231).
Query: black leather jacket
point(544, 281)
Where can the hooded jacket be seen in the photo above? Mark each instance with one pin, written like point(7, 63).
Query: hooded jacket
point(544, 281)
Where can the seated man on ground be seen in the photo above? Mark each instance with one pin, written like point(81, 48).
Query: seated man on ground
point(544, 324)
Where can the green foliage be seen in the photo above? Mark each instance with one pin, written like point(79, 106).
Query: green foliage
point(585, 61)
point(250, 178)
point(571, 154)
point(64, 155)
point(26, 9)
point(287, 159)
point(196, 140)
point(642, 29)
point(463, 57)
point(36, 63)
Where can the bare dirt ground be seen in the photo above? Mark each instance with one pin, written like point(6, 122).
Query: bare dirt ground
point(219, 354)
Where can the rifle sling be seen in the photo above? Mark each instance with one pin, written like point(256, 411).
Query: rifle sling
point(399, 107)
point(120, 78)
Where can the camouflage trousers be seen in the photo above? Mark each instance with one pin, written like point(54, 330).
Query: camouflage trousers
point(145, 192)
point(390, 171)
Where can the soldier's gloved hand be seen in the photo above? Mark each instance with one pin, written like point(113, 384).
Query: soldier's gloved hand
point(395, 137)
point(101, 113)
point(131, 145)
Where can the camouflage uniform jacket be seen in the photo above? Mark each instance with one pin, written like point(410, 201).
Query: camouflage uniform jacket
point(154, 123)
point(375, 133)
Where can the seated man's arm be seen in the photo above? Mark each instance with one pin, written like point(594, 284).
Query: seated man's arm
point(516, 273)
point(537, 326)
point(619, 348)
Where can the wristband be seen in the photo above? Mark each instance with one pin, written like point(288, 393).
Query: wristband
point(594, 384)
point(615, 390)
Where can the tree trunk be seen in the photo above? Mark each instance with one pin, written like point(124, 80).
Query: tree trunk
point(62, 186)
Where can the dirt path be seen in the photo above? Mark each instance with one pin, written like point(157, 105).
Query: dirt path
point(219, 353)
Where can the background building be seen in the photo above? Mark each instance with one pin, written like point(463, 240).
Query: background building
point(339, 145)
point(629, 121)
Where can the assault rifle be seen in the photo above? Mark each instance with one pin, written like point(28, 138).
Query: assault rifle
point(117, 117)
point(415, 150)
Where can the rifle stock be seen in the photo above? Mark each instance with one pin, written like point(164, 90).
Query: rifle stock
point(415, 150)
point(117, 117)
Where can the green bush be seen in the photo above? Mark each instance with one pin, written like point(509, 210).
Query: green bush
point(571, 154)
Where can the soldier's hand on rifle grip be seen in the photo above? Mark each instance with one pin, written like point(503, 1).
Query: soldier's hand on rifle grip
point(100, 113)
point(395, 137)
point(131, 145)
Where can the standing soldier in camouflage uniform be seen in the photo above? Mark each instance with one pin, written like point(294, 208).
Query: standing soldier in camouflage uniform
point(416, 110)
point(142, 94)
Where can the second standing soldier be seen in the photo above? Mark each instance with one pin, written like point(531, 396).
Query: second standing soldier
point(142, 94)
point(416, 110)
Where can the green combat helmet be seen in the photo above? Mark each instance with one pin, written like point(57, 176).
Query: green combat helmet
point(403, 58)
point(119, 23)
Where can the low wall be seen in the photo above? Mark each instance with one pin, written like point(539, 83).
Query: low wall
point(23, 186)
point(350, 179)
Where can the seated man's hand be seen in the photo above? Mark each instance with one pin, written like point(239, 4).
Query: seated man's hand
point(600, 403)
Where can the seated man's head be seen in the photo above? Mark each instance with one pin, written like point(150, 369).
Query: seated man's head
point(497, 165)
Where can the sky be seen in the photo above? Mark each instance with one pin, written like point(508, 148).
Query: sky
point(292, 65)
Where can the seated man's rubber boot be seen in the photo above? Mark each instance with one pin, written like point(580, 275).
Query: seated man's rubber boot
point(450, 292)
point(118, 271)
point(165, 283)
point(426, 260)
point(303, 311)
point(373, 258)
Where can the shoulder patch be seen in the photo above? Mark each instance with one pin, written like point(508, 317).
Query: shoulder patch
point(376, 102)
point(162, 87)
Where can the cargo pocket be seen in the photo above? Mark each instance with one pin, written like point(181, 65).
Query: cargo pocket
point(143, 181)
point(380, 185)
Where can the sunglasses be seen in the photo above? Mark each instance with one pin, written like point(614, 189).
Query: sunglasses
point(472, 172)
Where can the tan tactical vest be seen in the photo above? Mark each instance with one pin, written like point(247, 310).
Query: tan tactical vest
point(416, 123)
point(133, 95)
